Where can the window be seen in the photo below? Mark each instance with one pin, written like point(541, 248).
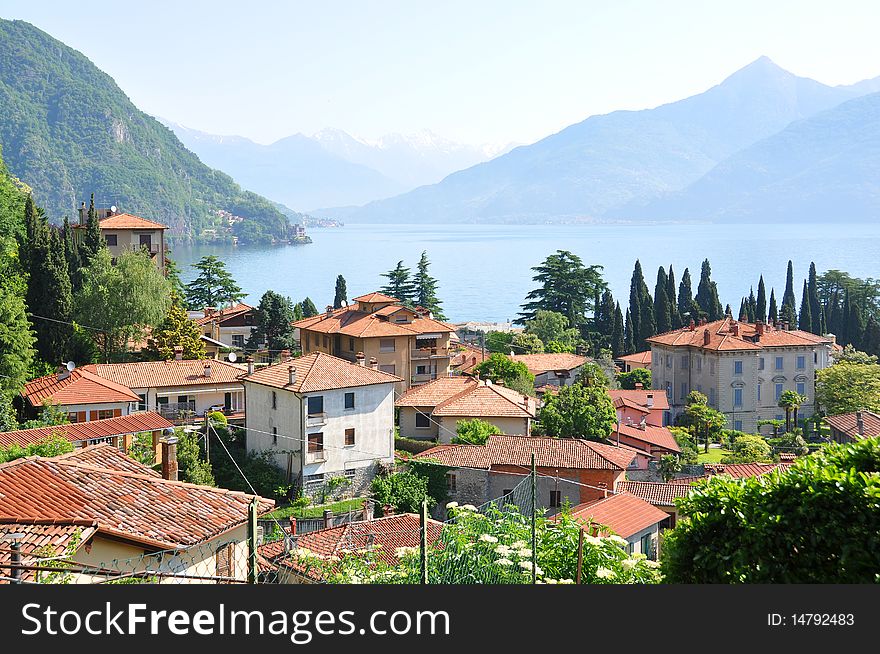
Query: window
point(684, 361)
point(161, 401)
point(349, 400)
point(390, 368)
point(316, 443)
point(684, 390)
point(238, 340)
point(349, 437)
point(316, 405)
point(274, 435)
point(274, 400)
point(760, 363)
point(313, 480)
point(801, 362)
point(738, 425)
point(711, 367)
point(668, 361)
point(145, 240)
point(712, 396)
point(223, 561)
point(737, 397)
point(422, 420)
point(182, 399)
point(142, 404)
point(815, 357)
point(555, 498)
point(801, 388)
point(778, 393)
point(506, 491)
point(737, 367)
point(421, 370)
point(111, 239)
point(647, 546)
point(351, 345)
point(699, 363)
point(327, 342)
point(759, 392)
point(386, 345)
point(778, 363)
point(669, 390)
point(72, 417)
point(450, 482)
point(349, 473)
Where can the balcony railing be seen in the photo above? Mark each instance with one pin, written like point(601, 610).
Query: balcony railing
point(429, 352)
point(316, 457)
point(176, 411)
point(316, 419)
point(421, 379)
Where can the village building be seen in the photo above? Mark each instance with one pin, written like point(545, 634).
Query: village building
point(230, 326)
point(79, 393)
point(466, 358)
point(855, 426)
point(556, 370)
point(432, 411)
point(321, 417)
point(630, 517)
point(405, 342)
point(630, 362)
point(660, 494)
point(635, 406)
point(742, 368)
point(124, 232)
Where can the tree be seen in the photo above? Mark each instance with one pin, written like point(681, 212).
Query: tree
point(687, 307)
point(566, 286)
point(213, 287)
point(592, 374)
point(846, 387)
point(748, 448)
point(747, 530)
point(672, 296)
point(628, 335)
point(172, 274)
point(662, 305)
point(121, 300)
point(852, 355)
point(425, 289)
point(707, 294)
point(647, 325)
point(578, 411)
point(669, 467)
point(761, 302)
point(618, 339)
point(773, 315)
point(16, 339)
point(309, 310)
point(854, 328)
point(54, 445)
point(550, 326)
point(788, 311)
point(514, 374)
point(603, 320)
point(816, 313)
point(805, 317)
point(791, 402)
point(341, 295)
point(641, 308)
point(273, 330)
point(474, 432)
point(194, 469)
point(71, 254)
point(93, 241)
point(177, 330)
point(498, 341)
point(404, 491)
point(526, 343)
point(701, 418)
point(298, 312)
point(628, 380)
point(399, 284)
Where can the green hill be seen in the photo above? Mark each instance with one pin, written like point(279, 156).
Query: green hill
point(67, 130)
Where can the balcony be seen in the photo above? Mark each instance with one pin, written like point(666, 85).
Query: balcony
point(178, 411)
point(316, 419)
point(316, 457)
point(423, 379)
point(430, 353)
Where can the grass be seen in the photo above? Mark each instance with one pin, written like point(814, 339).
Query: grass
point(316, 511)
point(714, 455)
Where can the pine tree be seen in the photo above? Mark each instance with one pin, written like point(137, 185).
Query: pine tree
point(773, 314)
point(707, 294)
point(177, 330)
point(628, 335)
point(425, 289)
point(93, 240)
point(805, 319)
point(728, 311)
point(788, 310)
point(567, 287)
point(618, 340)
point(214, 286)
point(298, 312)
point(341, 294)
point(672, 297)
point(818, 316)
point(662, 316)
point(274, 329)
point(687, 308)
point(761, 302)
point(399, 284)
point(309, 309)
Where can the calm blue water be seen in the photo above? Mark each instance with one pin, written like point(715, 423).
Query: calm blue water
point(484, 270)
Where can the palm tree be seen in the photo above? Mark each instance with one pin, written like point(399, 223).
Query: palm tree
point(791, 402)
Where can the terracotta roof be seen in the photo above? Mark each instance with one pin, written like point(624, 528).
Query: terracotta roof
point(106, 456)
point(465, 396)
point(721, 337)
point(640, 398)
point(81, 386)
point(126, 221)
point(85, 431)
point(657, 436)
point(159, 374)
point(742, 470)
point(540, 363)
point(500, 450)
point(224, 313)
point(847, 423)
point(319, 372)
point(466, 360)
point(624, 514)
point(639, 358)
point(352, 321)
point(657, 493)
point(138, 507)
point(42, 539)
point(437, 391)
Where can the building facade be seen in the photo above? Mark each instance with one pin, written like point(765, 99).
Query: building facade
point(127, 233)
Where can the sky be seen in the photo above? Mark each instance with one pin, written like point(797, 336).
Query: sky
point(475, 71)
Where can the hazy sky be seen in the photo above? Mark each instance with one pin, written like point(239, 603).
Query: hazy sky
point(476, 70)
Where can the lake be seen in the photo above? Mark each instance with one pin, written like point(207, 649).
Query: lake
point(484, 270)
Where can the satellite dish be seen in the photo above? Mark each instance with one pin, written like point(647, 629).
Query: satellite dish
point(70, 365)
point(232, 357)
point(113, 208)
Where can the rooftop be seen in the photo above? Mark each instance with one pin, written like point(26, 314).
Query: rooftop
point(623, 513)
point(540, 363)
point(224, 313)
point(80, 386)
point(657, 493)
point(159, 374)
point(728, 335)
point(465, 396)
point(85, 431)
point(319, 372)
point(848, 424)
point(640, 398)
point(657, 436)
point(126, 221)
point(638, 358)
point(43, 539)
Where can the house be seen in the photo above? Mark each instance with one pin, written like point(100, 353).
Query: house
point(630, 362)
point(231, 326)
point(628, 516)
point(180, 390)
point(552, 369)
point(741, 367)
point(321, 417)
point(465, 358)
point(403, 341)
point(432, 410)
point(119, 431)
point(569, 469)
point(382, 536)
point(656, 441)
point(127, 233)
point(660, 494)
point(849, 427)
point(633, 406)
point(79, 393)
point(126, 518)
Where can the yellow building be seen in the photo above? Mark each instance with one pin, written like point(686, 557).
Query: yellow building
point(127, 233)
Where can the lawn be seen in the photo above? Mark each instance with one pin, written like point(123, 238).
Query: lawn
point(316, 511)
point(714, 455)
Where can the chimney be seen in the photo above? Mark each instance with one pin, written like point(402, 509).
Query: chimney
point(209, 311)
point(178, 353)
point(291, 375)
point(639, 386)
point(706, 337)
point(285, 355)
point(785, 326)
point(691, 324)
point(860, 424)
point(83, 213)
point(329, 310)
point(734, 328)
point(207, 370)
point(292, 528)
point(360, 359)
point(642, 424)
point(387, 510)
point(759, 328)
point(374, 363)
point(649, 400)
point(604, 486)
point(250, 365)
point(328, 518)
point(169, 458)
point(368, 510)
point(62, 373)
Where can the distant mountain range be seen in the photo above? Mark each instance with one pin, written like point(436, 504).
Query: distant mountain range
point(67, 130)
point(332, 167)
point(613, 166)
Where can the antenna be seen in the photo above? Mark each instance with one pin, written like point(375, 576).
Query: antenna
point(232, 357)
point(70, 365)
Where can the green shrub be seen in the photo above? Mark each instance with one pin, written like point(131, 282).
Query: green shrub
point(748, 449)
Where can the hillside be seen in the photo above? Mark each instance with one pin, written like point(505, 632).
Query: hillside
point(818, 169)
point(607, 161)
point(68, 130)
point(12, 198)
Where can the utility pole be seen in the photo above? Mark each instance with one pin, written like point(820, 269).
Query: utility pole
point(534, 513)
point(252, 541)
point(423, 541)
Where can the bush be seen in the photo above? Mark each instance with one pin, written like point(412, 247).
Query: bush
point(628, 380)
point(405, 491)
point(474, 432)
point(412, 445)
point(748, 449)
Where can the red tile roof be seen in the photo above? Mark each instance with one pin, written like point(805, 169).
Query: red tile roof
point(85, 431)
point(375, 298)
point(657, 436)
point(437, 391)
point(81, 386)
point(639, 358)
point(721, 337)
point(624, 514)
point(160, 374)
point(742, 470)
point(466, 360)
point(640, 398)
point(137, 507)
point(465, 396)
point(501, 450)
point(42, 539)
point(126, 221)
point(319, 372)
point(848, 424)
point(541, 363)
point(224, 313)
point(109, 457)
point(657, 493)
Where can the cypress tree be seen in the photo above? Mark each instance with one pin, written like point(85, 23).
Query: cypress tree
point(341, 294)
point(686, 305)
point(752, 306)
point(93, 241)
point(71, 254)
point(835, 317)
point(728, 311)
point(662, 316)
point(773, 315)
point(707, 293)
point(49, 292)
point(788, 311)
point(628, 336)
point(672, 297)
point(636, 293)
point(425, 289)
point(743, 310)
point(761, 302)
point(871, 340)
point(618, 339)
point(646, 324)
point(818, 316)
point(603, 320)
point(856, 326)
point(805, 319)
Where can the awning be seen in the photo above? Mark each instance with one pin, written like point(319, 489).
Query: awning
point(186, 391)
point(418, 336)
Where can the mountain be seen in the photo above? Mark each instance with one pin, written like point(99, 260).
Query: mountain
point(607, 161)
point(68, 130)
point(818, 169)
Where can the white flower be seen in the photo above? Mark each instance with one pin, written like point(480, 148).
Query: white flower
point(618, 540)
point(486, 538)
point(550, 581)
point(503, 550)
point(525, 553)
point(652, 564)
point(504, 562)
point(592, 540)
point(451, 505)
point(604, 573)
point(527, 566)
point(566, 581)
point(519, 544)
point(628, 564)
point(405, 551)
point(469, 507)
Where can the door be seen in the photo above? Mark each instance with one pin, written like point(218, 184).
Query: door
point(227, 402)
point(146, 241)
